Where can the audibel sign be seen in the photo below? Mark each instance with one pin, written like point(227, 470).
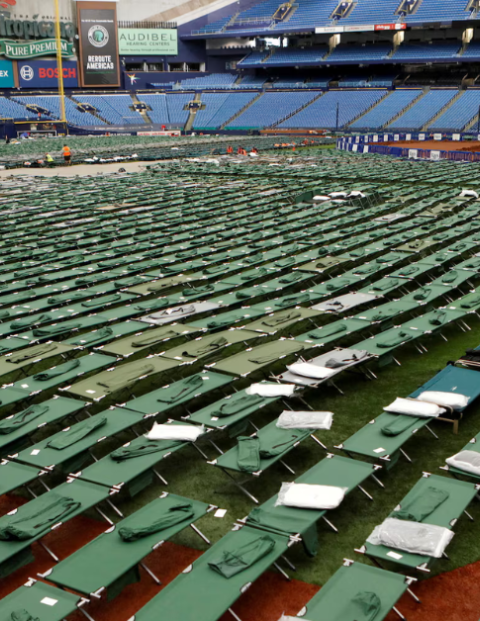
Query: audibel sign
point(44, 74)
point(97, 25)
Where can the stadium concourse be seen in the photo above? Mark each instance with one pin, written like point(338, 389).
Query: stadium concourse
point(240, 387)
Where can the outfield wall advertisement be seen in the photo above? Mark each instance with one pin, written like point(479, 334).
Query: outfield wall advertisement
point(44, 74)
point(97, 28)
point(146, 41)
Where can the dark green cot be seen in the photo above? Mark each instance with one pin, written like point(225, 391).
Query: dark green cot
point(99, 337)
point(21, 364)
point(111, 561)
point(14, 476)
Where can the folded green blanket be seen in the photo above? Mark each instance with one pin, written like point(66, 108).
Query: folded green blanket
point(438, 318)
point(279, 441)
point(197, 291)
point(471, 303)
point(262, 271)
point(335, 328)
point(285, 262)
point(109, 299)
point(181, 389)
point(22, 615)
point(396, 339)
point(388, 283)
point(56, 329)
point(365, 606)
point(450, 277)
point(293, 300)
point(142, 446)
point(283, 318)
point(94, 337)
point(283, 524)
point(333, 285)
point(232, 562)
point(248, 459)
point(422, 505)
point(293, 277)
point(119, 378)
point(62, 369)
point(148, 341)
point(77, 432)
point(31, 353)
point(201, 349)
point(140, 527)
point(236, 404)
point(29, 321)
point(154, 305)
point(399, 425)
point(36, 517)
point(383, 315)
point(16, 421)
point(367, 269)
point(409, 270)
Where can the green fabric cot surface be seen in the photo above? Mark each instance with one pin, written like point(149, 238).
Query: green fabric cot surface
point(120, 378)
point(273, 443)
point(167, 397)
point(460, 495)
point(99, 337)
point(418, 508)
point(281, 319)
point(230, 410)
point(387, 341)
point(14, 475)
point(105, 559)
point(153, 337)
point(209, 345)
point(175, 600)
point(258, 357)
point(64, 327)
point(335, 600)
point(385, 312)
point(229, 318)
point(332, 332)
point(336, 471)
point(31, 355)
point(434, 320)
point(32, 597)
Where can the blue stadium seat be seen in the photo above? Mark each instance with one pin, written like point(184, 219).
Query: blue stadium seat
point(460, 113)
point(386, 109)
point(52, 104)
point(424, 110)
point(115, 109)
point(220, 107)
point(271, 108)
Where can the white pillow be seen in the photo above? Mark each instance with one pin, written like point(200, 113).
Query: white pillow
point(310, 370)
point(271, 390)
point(452, 400)
point(412, 407)
point(469, 461)
point(305, 420)
point(185, 433)
point(308, 496)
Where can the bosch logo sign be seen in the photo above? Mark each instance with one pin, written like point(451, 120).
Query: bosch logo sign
point(27, 73)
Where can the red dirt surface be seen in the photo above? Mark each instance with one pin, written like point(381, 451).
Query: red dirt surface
point(452, 596)
point(434, 145)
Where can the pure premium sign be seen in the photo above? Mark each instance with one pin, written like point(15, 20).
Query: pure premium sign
point(147, 41)
point(33, 49)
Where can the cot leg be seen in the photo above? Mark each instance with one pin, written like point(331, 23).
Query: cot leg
point(334, 528)
point(337, 388)
point(89, 617)
point(47, 549)
point(395, 360)
point(217, 448)
point(432, 432)
point(44, 484)
point(107, 519)
point(399, 614)
point(378, 481)
point(282, 571)
point(445, 556)
point(253, 425)
point(405, 455)
point(365, 492)
point(463, 323)
point(469, 516)
point(200, 534)
point(200, 451)
point(307, 405)
point(417, 599)
point(235, 616)
point(92, 456)
point(241, 488)
point(289, 563)
point(31, 492)
point(159, 476)
point(287, 466)
point(445, 338)
point(318, 441)
point(455, 427)
point(117, 511)
point(150, 573)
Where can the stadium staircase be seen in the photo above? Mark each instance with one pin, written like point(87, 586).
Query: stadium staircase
point(144, 113)
point(242, 110)
point(193, 113)
point(298, 109)
point(95, 114)
point(410, 105)
point(442, 110)
point(472, 124)
point(359, 116)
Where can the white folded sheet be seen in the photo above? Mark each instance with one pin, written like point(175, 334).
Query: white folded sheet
point(452, 400)
point(468, 461)
point(271, 390)
point(413, 537)
point(310, 370)
point(305, 420)
point(413, 407)
point(184, 433)
point(308, 496)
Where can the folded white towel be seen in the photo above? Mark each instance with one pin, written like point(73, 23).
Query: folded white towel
point(308, 496)
point(321, 198)
point(310, 370)
point(412, 407)
point(271, 390)
point(183, 433)
point(469, 193)
point(305, 420)
point(413, 537)
point(468, 461)
point(452, 400)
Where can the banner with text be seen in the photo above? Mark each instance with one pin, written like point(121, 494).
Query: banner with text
point(44, 74)
point(7, 79)
point(32, 49)
point(97, 26)
point(148, 41)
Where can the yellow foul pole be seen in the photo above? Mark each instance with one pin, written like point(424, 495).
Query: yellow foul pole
point(61, 90)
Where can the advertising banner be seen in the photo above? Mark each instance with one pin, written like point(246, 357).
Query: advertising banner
point(44, 74)
point(147, 41)
point(390, 26)
point(97, 26)
point(31, 49)
point(7, 79)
